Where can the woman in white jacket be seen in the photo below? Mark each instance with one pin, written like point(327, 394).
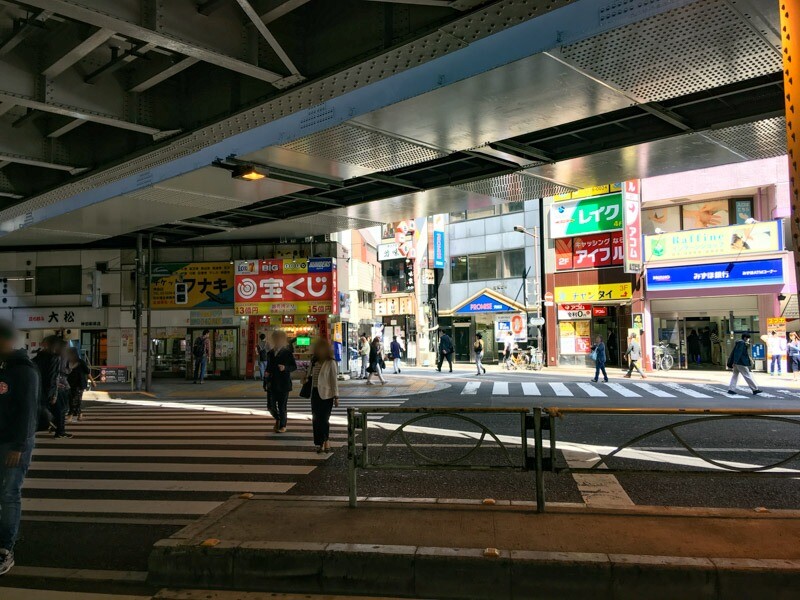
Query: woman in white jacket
point(324, 392)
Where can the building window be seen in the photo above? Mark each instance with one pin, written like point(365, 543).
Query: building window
point(365, 299)
point(56, 281)
point(458, 268)
point(485, 266)
point(514, 263)
point(489, 211)
point(396, 276)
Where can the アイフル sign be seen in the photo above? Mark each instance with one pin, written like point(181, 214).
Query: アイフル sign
point(588, 215)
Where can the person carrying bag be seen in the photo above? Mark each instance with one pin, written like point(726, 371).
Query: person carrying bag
point(322, 385)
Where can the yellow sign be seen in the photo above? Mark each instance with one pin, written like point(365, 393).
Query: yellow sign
point(596, 190)
point(192, 285)
point(566, 328)
point(602, 292)
point(582, 328)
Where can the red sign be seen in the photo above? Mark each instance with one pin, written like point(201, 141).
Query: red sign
point(589, 251)
point(287, 287)
point(599, 311)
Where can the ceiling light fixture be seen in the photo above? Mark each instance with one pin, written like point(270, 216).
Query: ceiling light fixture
point(247, 173)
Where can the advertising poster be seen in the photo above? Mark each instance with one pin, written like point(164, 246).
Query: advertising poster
point(298, 286)
point(632, 230)
point(589, 215)
point(192, 285)
point(744, 210)
point(515, 324)
point(735, 240)
point(589, 251)
point(665, 218)
point(705, 214)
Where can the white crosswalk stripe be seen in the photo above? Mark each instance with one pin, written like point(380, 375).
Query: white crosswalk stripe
point(530, 389)
point(130, 461)
point(303, 405)
point(591, 390)
point(626, 389)
point(500, 388)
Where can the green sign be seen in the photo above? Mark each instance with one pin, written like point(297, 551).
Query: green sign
point(303, 341)
point(587, 215)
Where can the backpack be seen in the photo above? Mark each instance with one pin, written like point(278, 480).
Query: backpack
point(262, 353)
point(199, 348)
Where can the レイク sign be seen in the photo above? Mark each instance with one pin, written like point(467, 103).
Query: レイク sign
point(632, 229)
point(589, 215)
point(287, 287)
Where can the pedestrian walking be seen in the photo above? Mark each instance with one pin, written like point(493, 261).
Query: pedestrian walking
point(740, 362)
point(776, 347)
point(634, 355)
point(477, 348)
point(693, 346)
point(705, 344)
point(508, 349)
point(280, 365)
point(446, 349)
point(324, 392)
point(716, 348)
point(262, 348)
point(48, 365)
point(376, 364)
point(793, 350)
point(363, 353)
point(599, 356)
point(77, 378)
point(19, 408)
point(201, 351)
point(397, 351)
point(63, 394)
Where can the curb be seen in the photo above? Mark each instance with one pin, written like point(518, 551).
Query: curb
point(464, 573)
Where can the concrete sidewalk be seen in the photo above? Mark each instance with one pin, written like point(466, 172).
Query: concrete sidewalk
point(396, 386)
point(460, 549)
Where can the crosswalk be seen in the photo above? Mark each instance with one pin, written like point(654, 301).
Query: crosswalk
point(127, 461)
point(302, 406)
point(627, 389)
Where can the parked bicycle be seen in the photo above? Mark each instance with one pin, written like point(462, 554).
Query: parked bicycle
point(664, 360)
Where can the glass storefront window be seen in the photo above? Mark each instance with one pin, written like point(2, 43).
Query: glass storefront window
point(514, 262)
point(393, 276)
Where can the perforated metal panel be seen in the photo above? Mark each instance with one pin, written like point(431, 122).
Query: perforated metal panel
point(762, 139)
point(363, 147)
point(688, 49)
point(310, 225)
point(177, 197)
point(514, 187)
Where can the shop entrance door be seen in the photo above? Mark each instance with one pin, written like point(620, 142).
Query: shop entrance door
point(94, 347)
point(462, 341)
point(224, 360)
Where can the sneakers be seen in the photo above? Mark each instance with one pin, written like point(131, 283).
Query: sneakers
point(6, 561)
point(593, 380)
point(627, 376)
point(732, 392)
point(756, 392)
point(66, 436)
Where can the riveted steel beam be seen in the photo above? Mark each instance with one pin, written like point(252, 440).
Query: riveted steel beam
point(22, 29)
point(159, 71)
point(283, 9)
point(76, 52)
point(261, 27)
point(790, 40)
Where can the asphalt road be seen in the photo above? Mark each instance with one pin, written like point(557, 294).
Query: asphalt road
point(135, 474)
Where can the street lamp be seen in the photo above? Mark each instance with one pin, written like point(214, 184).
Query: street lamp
point(535, 235)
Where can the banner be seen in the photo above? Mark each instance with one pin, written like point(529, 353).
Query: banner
point(718, 275)
point(301, 286)
point(632, 230)
point(589, 251)
point(191, 285)
point(439, 256)
point(715, 242)
point(589, 215)
point(599, 292)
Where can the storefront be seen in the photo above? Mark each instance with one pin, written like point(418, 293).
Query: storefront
point(396, 316)
point(297, 295)
point(84, 327)
point(491, 314)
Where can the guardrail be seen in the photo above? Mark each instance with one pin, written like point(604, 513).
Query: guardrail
point(540, 420)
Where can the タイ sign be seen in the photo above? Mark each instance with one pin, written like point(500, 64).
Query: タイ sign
point(715, 242)
point(600, 292)
point(589, 215)
point(287, 287)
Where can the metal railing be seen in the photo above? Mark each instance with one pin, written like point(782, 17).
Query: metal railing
point(541, 420)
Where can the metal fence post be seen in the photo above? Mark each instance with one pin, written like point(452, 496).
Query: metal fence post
point(537, 443)
point(351, 456)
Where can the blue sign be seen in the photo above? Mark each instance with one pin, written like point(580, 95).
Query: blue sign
point(759, 352)
point(718, 275)
point(484, 304)
point(438, 250)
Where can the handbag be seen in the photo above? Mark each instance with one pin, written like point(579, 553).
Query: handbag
point(305, 390)
point(593, 355)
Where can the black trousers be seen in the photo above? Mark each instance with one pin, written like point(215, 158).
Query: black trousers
point(278, 405)
point(442, 357)
point(75, 401)
point(59, 410)
point(320, 417)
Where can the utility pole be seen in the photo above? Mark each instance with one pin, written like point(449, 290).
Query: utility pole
point(148, 375)
point(536, 274)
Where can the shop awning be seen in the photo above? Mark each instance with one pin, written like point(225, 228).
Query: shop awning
point(485, 301)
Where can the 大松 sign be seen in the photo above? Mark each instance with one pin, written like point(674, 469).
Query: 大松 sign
point(587, 215)
point(299, 286)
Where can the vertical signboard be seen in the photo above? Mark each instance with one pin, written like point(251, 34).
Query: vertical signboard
point(439, 259)
point(632, 229)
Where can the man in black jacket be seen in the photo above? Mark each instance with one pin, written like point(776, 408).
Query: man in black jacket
point(19, 407)
point(446, 350)
point(48, 361)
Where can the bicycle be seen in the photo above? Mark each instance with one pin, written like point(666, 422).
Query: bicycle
point(535, 361)
point(663, 359)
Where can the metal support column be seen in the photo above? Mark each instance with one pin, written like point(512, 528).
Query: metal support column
point(537, 272)
point(149, 345)
point(351, 456)
point(538, 449)
point(137, 343)
point(790, 40)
